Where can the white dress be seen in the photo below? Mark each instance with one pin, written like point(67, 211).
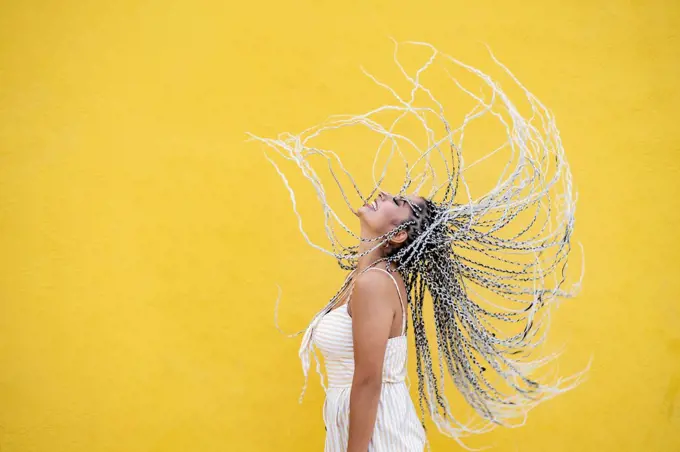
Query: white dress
point(397, 426)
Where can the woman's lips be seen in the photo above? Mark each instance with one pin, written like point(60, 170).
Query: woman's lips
point(372, 205)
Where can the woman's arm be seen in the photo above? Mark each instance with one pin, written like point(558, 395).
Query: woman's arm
point(372, 316)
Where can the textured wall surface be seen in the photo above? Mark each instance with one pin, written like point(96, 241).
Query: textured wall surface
point(142, 237)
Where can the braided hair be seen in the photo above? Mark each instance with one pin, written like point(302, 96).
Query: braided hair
point(492, 267)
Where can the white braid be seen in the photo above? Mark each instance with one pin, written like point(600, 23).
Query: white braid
point(478, 275)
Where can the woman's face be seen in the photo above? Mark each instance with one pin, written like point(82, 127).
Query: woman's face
point(386, 213)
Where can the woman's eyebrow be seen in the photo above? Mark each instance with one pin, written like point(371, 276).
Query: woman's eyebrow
point(413, 207)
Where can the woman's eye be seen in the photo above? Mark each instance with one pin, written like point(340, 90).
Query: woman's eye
point(395, 200)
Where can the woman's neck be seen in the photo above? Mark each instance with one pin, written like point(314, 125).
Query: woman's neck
point(369, 259)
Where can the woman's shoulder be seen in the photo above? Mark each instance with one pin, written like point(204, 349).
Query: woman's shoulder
point(376, 282)
point(374, 274)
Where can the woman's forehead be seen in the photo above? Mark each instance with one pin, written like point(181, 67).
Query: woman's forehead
point(414, 203)
point(414, 199)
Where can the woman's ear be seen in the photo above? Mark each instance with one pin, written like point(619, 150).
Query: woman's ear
point(400, 237)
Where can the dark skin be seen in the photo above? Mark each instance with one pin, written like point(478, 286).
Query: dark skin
point(376, 313)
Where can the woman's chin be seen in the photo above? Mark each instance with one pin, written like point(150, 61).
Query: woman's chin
point(363, 210)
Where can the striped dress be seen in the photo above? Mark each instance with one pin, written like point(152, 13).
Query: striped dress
point(397, 426)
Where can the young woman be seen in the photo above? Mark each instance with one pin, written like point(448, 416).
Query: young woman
point(490, 267)
point(363, 340)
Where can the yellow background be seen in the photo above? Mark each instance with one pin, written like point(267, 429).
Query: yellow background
point(142, 238)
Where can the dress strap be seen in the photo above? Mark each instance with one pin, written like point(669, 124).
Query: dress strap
point(403, 306)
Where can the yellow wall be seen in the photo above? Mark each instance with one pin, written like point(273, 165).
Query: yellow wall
point(142, 237)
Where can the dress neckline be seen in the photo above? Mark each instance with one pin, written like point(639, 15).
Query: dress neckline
point(344, 305)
